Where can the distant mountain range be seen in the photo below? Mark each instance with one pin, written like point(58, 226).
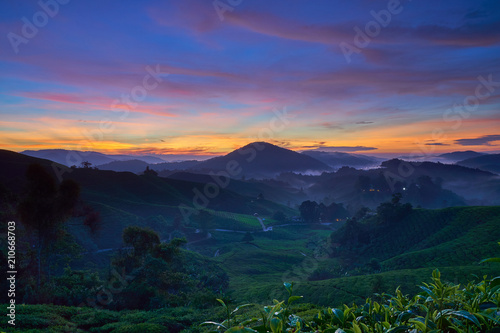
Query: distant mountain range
point(484, 162)
point(461, 155)
point(337, 160)
point(75, 157)
point(256, 160)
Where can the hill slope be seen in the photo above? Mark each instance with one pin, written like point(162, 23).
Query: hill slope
point(261, 159)
point(124, 198)
point(337, 159)
point(487, 162)
point(460, 155)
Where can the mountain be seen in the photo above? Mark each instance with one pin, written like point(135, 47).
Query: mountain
point(182, 165)
point(135, 166)
point(69, 157)
point(337, 160)
point(262, 160)
point(486, 162)
point(75, 157)
point(139, 165)
point(124, 198)
point(460, 155)
point(279, 192)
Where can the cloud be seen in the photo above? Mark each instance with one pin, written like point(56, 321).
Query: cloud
point(436, 144)
point(327, 125)
point(364, 122)
point(480, 141)
point(341, 148)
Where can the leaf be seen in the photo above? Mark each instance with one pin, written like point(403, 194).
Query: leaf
point(241, 307)
point(419, 322)
point(339, 314)
point(398, 329)
point(339, 330)
point(292, 299)
point(429, 292)
point(495, 282)
point(356, 328)
point(213, 323)
point(240, 329)
point(276, 325)
point(222, 302)
point(461, 314)
point(487, 305)
point(288, 287)
point(490, 260)
point(249, 321)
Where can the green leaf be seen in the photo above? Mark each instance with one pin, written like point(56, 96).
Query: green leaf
point(249, 321)
point(495, 282)
point(467, 315)
point(419, 323)
point(237, 329)
point(398, 329)
point(356, 328)
point(429, 292)
point(241, 307)
point(288, 287)
point(339, 314)
point(292, 299)
point(276, 325)
point(339, 330)
point(213, 323)
point(490, 260)
point(222, 302)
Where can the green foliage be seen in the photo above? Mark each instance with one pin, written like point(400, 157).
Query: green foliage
point(279, 216)
point(143, 240)
point(43, 211)
point(309, 211)
point(247, 238)
point(440, 306)
point(394, 211)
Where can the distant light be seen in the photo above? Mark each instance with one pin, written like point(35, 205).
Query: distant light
point(404, 188)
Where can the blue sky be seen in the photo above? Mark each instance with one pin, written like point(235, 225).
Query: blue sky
point(85, 79)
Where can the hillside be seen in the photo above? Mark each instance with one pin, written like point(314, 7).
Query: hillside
point(123, 198)
point(453, 240)
point(263, 160)
point(278, 192)
point(460, 155)
point(489, 163)
point(75, 157)
point(135, 166)
point(337, 159)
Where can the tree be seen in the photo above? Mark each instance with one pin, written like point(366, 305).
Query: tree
point(247, 238)
point(361, 213)
point(143, 240)
point(279, 216)
point(45, 208)
point(309, 211)
point(150, 172)
point(204, 220)
point(394, 211)
point(86, 164)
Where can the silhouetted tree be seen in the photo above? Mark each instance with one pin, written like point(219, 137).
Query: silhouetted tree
point(150, 172)
point(309, 211)
point(143, 240)
point(45, 208)
point(86, 164)
point(394, 211)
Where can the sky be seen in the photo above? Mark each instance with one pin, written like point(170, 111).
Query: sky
point(204, 77)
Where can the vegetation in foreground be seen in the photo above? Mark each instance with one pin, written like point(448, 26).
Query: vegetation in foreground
point(439, 307)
